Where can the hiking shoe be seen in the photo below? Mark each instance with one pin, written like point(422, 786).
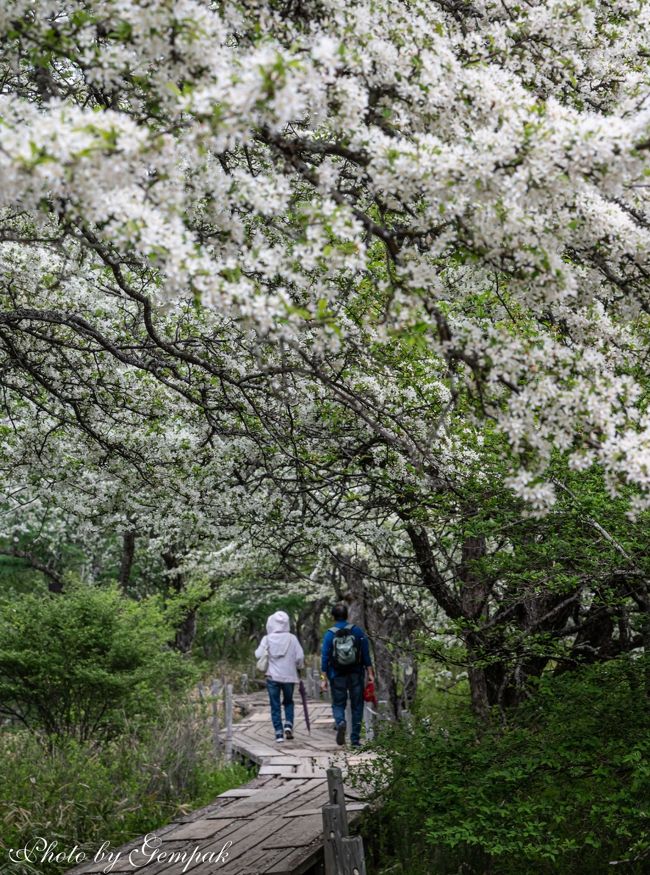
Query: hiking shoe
point(355, 744)
point(279, 739)
point(340, 733)
point(288, 732)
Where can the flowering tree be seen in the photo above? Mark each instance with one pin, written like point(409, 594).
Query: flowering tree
point(276, 273)
point(265, 157)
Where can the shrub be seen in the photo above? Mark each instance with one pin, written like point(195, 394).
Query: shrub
point(76, 664)
point(83, 794)
point(564, 788)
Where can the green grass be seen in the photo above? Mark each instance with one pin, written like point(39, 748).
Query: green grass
point(86, 794)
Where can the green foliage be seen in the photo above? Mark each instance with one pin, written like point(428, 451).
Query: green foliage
point(84, 794)
point(563, 789)
point(230, 628)
point(189, 598)
point(16, 576)
point(75, 665)
point(221, 631)
point(443, 694)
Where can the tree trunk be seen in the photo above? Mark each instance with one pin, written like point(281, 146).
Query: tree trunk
point(474, 591)
point(476, 675)
point(186, 632)
point(395, 667)
point(645, 633)
point(55, 584)
point(308, 625)
point(126, 564)
point(186, 628)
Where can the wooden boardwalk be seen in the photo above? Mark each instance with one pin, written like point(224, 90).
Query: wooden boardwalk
point(273, 824)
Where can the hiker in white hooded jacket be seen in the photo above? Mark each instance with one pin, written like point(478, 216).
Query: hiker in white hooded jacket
point(285, 658)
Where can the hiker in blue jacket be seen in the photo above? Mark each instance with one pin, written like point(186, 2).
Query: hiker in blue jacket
point(345, 658)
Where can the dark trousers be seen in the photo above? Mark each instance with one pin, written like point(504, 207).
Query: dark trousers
point(342, 686)
point(276, 688)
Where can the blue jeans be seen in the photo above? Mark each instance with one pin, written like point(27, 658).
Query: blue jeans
point(275, 688)
point(340, 686)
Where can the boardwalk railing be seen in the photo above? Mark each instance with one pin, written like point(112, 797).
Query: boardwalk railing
point(220, 695)
point(343, 853)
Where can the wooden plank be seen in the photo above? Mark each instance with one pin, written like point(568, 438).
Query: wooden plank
point(253, 751)
point(303, 812)
point(235, 831)
point(250, 804)
point(284, 761)
point(200, 829)
point(350, 793)
point(313, 800)
point(265, 782)
point(256, 740)
point(166, 848)
point(254, 804)
point(310, 752)
point(284, 771)
point(122, 863)
point(238, 832)
point(246, 847)
point(309, 773)
point(247, 836)
point(296, 862)
point(270, 859)
point(296, 833)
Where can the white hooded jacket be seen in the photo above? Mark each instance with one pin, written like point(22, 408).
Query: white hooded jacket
point(285, 653)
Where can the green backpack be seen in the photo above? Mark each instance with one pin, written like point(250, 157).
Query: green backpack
point(346, 648)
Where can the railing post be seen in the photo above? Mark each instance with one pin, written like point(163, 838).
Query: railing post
point(354, 861)
point(337, 794)
point(228, 747)
point(369, 721)
point(343, 853)
point(214, 690)
point(333, 840)
point(315, 683)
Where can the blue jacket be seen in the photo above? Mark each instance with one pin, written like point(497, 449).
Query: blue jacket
point(326, 651)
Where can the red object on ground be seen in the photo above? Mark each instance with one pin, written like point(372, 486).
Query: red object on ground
point(369, 694)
